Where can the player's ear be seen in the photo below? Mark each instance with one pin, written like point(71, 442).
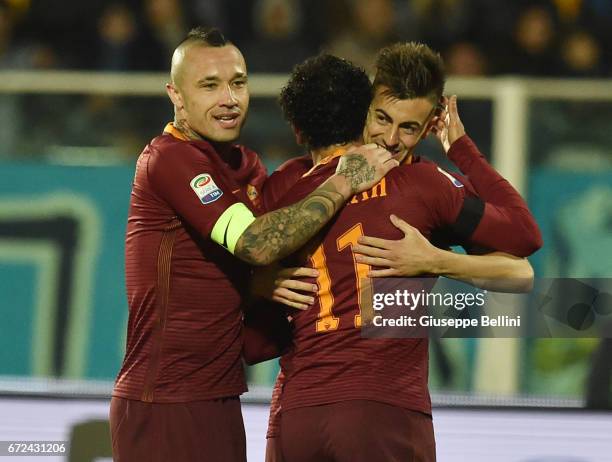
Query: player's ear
point(174, 95)
point(430, 126)
point(438, 110)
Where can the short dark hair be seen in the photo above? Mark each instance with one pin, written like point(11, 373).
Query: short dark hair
point(209, 36)
point(410, 70)
point(327, 100)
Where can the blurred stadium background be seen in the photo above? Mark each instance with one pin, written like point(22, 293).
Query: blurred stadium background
point(81, 92)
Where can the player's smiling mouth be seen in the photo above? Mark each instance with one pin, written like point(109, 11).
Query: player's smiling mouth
point(228, 119)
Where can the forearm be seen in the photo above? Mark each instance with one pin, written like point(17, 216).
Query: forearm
point(279, 233)
point(496, 271)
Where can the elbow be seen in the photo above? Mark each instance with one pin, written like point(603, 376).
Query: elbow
point(255, 259)
point(264, 260)
point(259, 345)
point(526, 247)
point(266, 334)
point(535, 241)
point(529, 238)
point(253, 256)
point(539, 242)
point(249, 359)
point(252, 358)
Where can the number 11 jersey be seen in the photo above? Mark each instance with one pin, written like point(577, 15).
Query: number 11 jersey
point(329, 361)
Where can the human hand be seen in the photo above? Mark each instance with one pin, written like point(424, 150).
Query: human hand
point(283, 285)
point(364, 166)
point(448, 127)
point(410, 256)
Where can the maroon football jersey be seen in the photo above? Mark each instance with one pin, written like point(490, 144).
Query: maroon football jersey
point(507, 223)
point(283, 178)
point(329, 361)
point(185, 292)
point(507, 217)
point(503, 204)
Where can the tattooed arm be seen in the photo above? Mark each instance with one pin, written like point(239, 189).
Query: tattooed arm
point(279, 233)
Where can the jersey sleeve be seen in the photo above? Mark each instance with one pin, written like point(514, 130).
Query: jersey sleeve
point(460, 218)
point(190, 185)
point(506, 218)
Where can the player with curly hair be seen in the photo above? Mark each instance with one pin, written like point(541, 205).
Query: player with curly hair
point(333, 380)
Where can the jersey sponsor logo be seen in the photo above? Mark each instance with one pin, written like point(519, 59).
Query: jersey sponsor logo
point(205, 188)
point(454, 181)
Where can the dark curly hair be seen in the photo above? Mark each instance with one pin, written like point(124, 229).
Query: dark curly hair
point(410, 70)
point(327, 100)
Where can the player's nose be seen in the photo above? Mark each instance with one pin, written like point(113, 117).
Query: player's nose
point(391, 145)
point(227, 97)
point(391, 140)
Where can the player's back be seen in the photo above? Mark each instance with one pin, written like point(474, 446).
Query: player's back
point(329, 361)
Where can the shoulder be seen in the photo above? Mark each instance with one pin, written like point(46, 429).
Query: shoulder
point(251, 162)
point(167, 145)
point(291, 171)
point(167, 150)
point(284, 177)
point(247, 153)
point(427, 172)
point(416, 172)
point(167, 142)
point(299, 164)
point(426, 179)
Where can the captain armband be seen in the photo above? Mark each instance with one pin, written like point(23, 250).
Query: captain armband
point(231, 224)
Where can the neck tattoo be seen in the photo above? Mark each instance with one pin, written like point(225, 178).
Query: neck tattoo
point(181, 125)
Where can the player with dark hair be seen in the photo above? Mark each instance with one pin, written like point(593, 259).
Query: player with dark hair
point(335, 381)
point(410, 70)
point(192, 211)
point(317, 124)
point(408, 88)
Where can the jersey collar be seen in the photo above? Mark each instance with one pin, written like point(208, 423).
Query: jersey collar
point(337, 153)
point(170, 129)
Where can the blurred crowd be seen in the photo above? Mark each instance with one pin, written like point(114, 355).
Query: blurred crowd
point(476, 37)
point(544, 38)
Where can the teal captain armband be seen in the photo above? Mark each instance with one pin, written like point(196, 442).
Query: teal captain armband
point(231, 224)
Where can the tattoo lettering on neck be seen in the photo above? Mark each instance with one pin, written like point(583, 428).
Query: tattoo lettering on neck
point(181, 125)
point(356, 170)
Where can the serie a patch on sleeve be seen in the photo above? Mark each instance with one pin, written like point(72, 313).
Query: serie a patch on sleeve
point(453, 180)
point(205, 188)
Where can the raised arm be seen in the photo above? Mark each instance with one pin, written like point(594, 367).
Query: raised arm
point(502, 202)
point(277, 234)
point(196, 191)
